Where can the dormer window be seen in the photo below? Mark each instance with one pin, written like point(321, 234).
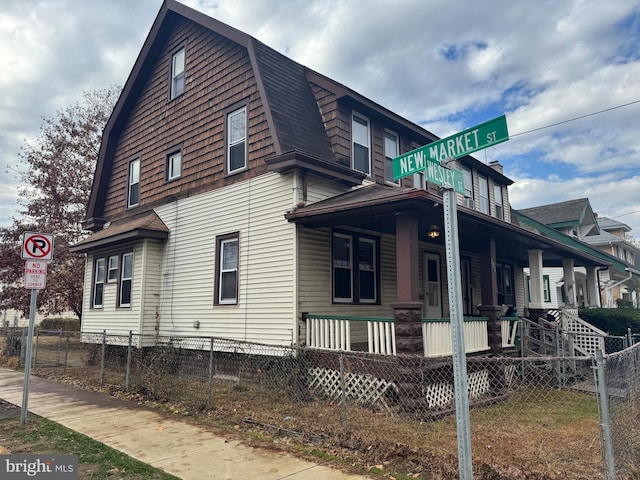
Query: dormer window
point(390, 152)
point(361, 140)
point(483, 194)
point(497, 198)
point(177, 74)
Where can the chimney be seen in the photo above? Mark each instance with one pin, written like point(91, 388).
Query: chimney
point(496, 166)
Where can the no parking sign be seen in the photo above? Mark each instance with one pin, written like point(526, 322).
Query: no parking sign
point(37, 246)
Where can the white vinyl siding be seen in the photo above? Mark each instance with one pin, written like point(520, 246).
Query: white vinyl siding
point(255, 209)
point(117, 321)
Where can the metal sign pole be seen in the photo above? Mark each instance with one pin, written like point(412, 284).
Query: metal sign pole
point(461, 390)
point(27, 362)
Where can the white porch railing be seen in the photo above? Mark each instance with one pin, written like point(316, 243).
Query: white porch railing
point(377, 335)
point(436, 336)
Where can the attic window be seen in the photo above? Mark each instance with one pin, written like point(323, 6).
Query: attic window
point(177, 74)
point(361, 144)
point(237, 140)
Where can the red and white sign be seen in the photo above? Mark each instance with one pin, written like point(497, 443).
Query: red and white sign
point(37, 246)
point(35, 274)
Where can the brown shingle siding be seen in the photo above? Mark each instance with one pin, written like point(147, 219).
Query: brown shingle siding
point(218, 75)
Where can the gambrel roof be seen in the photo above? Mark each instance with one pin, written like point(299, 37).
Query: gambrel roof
point(294, 119)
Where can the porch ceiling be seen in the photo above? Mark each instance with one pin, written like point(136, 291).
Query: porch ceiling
point(374, 208)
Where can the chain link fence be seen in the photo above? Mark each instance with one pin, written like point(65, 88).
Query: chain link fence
point(534, 417)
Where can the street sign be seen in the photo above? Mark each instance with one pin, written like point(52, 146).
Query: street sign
point(458, 145)
point(37, 246)
point(35, 274)
point(436, 173)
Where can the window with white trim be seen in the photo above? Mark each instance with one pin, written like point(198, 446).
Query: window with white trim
point(177, 73)
point(174, 165)
point(355, 268)
point(126, 280)
point(237, 140)
point(133, 195)
point(468, 187)
point(227, 270)
point(98, 283)
point(483, 194)
point(361, 144)
point(497, 199)
point(112, 268)
point(390, 152)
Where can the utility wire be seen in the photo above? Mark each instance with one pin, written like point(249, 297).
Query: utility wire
point(576, 118)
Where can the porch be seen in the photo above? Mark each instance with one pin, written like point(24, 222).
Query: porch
point(377, 335)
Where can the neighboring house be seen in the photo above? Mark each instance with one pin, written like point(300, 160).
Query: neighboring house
point(573, 222)
point(612, 239)
point(238, 194)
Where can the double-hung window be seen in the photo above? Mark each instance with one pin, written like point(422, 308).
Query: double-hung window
point(174, 165)
point(133, 196)
point(227, 270)
point(361, 144)
point(355, 266)
point(497, 198)
point(177, 73)
point(483, 184)
point(98, 283)
point(468, 187)
point(112, 269)
point(126, 279)
point(390, 152)
point(237, 140)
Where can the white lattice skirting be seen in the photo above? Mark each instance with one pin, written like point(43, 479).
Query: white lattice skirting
point(370, 391)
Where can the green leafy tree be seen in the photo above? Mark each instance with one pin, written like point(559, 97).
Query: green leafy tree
point(55, 174)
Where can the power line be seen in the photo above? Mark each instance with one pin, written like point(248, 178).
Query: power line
point(625, 214)
point(576, 118)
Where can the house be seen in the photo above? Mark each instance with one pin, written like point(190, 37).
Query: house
point(239, 194)
point(575, 223)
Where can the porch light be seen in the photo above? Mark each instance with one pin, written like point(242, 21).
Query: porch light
point(433, 232)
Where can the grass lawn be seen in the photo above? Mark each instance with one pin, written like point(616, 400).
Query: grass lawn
point(95, 459)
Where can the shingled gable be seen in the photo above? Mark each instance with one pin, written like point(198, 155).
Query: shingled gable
point(563, 214)
point(294, 120)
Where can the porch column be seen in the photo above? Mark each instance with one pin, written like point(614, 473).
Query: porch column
point(593, 294)
point(536, 285)
point(407, 311)
point(489, 296)
point(569, 287)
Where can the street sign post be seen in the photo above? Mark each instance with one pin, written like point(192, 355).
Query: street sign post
point(37, 250)
point(432, 160)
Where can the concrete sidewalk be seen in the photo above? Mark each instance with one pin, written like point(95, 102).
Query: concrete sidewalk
point(163, 441)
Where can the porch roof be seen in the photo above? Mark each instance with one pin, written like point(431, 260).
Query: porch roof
point(146, 225)
point(374, 207)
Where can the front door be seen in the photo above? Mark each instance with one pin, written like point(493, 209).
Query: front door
point(432, 286)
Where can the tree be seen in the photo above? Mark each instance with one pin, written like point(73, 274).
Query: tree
point(55, 177)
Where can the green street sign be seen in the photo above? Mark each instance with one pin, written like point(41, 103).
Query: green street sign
point(436, 173)
point(458, 145)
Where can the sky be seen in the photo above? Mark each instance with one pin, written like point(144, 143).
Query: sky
point(565, 73)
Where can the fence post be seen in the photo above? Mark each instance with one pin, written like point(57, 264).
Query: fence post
point(126, 382)
point(66, 353)
point(343, 396)
point(104, 347)
point(630, 338)
point(23, 346)
point(35, 352)
point(209, 398)
point(605, 423)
